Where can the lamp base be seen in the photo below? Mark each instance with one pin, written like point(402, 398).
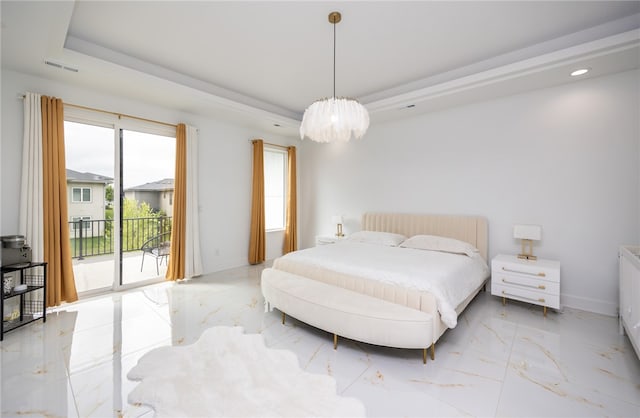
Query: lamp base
point(527, 257)
point(527, 250)
point(339, 233)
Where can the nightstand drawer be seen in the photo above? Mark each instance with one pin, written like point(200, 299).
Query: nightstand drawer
point(528, 269)
point(526, 295)
point(525, 282)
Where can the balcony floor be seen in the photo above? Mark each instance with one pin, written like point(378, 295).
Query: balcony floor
point(97, 272)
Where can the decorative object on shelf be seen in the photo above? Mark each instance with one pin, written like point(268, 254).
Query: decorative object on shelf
point(20, 288)
point(337, 220)
point(15, 251)
point(7, 283)
point(528, 234)
point(336, 118)
point(12, 241)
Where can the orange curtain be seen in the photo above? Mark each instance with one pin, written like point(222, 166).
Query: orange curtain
point(257, 240)
point(61, 286)
point(175, 270)
point(291, 229)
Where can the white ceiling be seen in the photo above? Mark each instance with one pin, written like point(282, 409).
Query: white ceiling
point(267, 61)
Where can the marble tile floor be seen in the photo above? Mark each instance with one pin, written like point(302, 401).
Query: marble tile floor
point(499, 360)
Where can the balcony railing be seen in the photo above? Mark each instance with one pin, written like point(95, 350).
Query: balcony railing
point(95, 237)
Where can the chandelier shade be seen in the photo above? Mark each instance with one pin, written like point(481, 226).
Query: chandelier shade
point(334, 119)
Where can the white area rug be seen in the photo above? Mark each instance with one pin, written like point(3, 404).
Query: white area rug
point(227, 373)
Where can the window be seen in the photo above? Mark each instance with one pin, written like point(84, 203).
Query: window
point(81, 194)
point(275, 174)
point(76, 222)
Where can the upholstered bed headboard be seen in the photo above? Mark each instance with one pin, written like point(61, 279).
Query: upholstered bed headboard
point(471, 229)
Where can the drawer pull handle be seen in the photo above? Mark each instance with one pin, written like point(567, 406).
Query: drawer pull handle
point(541, 300)
point(541, 274)
point(540, 286)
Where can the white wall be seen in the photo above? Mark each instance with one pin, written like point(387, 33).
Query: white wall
point(566, 158)
point(225, 165)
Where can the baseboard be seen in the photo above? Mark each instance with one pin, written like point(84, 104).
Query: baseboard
point(589, 305)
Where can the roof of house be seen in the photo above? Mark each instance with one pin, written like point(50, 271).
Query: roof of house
point(78, 177)
point(156, 186)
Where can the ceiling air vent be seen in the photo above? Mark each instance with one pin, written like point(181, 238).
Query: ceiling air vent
point(61, 66)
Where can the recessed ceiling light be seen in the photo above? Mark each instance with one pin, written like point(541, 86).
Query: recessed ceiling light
point(277, 125)
point(581, 71)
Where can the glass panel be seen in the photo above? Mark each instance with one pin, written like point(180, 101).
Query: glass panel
point(90, 154)
point(148, 168)
point(274, 188)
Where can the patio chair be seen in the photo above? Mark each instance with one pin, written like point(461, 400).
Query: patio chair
point(157, 247)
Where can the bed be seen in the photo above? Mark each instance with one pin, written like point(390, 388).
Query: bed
point(348, 265)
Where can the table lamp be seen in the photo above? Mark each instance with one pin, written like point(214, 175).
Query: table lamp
point(528, 234)
point(337, 219)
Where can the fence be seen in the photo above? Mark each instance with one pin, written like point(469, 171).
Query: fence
point(95, 237)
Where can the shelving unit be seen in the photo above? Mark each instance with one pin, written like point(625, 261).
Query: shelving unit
point(34, 275)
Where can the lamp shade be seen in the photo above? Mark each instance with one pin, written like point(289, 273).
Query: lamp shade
point(334, 120)
point(336, 219)
point(532, 232)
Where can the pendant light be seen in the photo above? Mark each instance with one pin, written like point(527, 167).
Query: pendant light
point(336, 118)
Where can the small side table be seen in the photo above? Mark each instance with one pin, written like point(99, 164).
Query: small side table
point(328, 239)
point(532, 281)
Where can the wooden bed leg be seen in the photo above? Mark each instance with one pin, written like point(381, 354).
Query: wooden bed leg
point(283, 315)
point(433, 351)
point(335, 341)
point(424, 356)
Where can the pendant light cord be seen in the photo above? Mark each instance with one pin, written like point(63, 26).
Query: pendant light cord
point(334, 60)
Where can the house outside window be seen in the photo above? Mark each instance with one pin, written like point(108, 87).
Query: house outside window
point(86, 200)
point(81, 194)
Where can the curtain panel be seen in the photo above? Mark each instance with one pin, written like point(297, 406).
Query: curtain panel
point(185, 260)
point(61, 285)
point(291, 225)
point(257, 238)
point(193, 257)
point(175, 270)
point(31, 218)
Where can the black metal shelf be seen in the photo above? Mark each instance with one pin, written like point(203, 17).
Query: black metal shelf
point(17, 323)
point(28, 309)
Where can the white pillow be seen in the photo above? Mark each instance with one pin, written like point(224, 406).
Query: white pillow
point(436, 243)
point(379, 238)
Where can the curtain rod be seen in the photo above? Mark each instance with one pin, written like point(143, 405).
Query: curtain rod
point(270, 144)
point(119, 115)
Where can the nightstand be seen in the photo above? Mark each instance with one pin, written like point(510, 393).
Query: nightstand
point(532, 281)
point(328, 239)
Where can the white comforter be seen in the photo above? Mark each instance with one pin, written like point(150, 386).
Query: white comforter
point(449, 277)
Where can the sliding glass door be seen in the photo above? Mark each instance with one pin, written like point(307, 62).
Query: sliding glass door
point(120, 195)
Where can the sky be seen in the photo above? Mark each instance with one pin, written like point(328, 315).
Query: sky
point(147, 157)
